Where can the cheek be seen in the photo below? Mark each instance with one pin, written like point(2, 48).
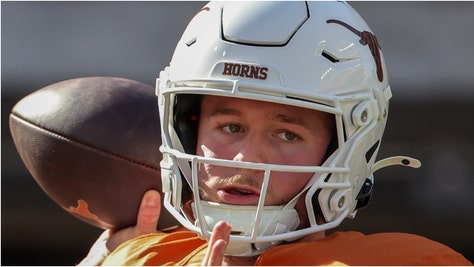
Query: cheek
point(284, 186)
point(209, 173)
point(307, 155)
point(313, 154)
point(208, 146)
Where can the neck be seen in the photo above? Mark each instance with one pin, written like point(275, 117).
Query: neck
point(313, 237)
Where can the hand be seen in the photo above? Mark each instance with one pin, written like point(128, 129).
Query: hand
point(217, 244)
point(147, 221)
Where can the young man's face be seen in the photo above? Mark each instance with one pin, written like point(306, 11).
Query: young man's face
point(261, 132)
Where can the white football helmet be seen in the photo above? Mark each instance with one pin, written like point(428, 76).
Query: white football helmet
point(317, 55)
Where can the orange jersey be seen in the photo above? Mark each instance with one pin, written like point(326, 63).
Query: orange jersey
point(340, 248)
point(354, 248)
point(178, 248)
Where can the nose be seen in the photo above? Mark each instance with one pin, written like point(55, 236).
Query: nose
point(253, 148)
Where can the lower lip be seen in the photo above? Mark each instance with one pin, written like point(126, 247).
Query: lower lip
point(227, 198)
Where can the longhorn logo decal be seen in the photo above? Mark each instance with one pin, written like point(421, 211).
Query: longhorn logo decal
point(366, 38)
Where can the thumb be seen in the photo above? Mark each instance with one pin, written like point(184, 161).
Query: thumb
point(147, 220)
point(149, 212)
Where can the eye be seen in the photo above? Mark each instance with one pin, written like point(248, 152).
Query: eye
point(288, 136)
point(232, 128)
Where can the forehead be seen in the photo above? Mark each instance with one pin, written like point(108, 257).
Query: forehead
point(221, 102)
point(219, 105)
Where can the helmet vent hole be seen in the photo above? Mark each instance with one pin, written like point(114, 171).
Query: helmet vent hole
point(371, 151)
point(191, 42)
point(329, 57)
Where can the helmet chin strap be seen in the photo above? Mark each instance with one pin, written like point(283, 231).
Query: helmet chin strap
point(396, 160)
point(245, 229)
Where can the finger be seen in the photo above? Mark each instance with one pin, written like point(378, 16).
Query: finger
point(221, 231)
point(217, 244)
point(149, 212)
point(216, 253)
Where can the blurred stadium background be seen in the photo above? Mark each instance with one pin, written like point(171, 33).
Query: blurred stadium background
point(428, 49)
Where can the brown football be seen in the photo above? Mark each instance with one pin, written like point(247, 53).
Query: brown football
point(92, 144)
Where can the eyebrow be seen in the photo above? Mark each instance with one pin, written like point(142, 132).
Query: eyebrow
point(225, 111)
point(287, 119)
point(273, 117)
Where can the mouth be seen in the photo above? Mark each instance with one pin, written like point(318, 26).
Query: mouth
point(236, 191)
point(239, 195)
